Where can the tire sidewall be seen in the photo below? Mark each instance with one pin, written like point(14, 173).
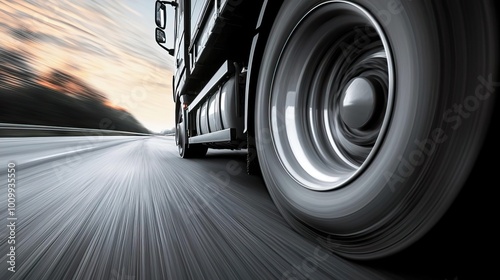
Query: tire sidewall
point(394, 187)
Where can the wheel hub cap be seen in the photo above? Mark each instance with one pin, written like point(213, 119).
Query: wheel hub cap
point(358, 103)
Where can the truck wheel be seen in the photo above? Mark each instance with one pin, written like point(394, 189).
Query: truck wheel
point(181, 139)
point(370, 114)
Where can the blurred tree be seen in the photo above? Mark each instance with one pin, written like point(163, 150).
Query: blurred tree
point(57, 99)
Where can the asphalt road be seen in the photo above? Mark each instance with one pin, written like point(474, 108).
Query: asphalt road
point(129, 208)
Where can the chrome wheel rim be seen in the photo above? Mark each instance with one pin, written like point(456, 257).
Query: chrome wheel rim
point(180, 136)
point(331, 95)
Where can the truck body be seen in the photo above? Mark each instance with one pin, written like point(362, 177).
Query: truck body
point(214, 44)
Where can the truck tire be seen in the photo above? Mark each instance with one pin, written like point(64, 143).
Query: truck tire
point(370, 115)
point(181, 140)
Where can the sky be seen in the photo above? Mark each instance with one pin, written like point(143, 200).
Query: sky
point(108, 44)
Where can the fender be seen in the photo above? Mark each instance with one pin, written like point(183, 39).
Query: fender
point(265, 22)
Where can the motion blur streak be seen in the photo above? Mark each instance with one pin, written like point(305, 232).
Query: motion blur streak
point(122, 208)
point(102, 46)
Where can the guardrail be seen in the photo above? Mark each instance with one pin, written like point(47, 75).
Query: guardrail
point(26, 130)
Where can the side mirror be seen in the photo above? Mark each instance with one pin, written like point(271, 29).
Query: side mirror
point(161, 38)
point(161, 19)
point(161, 14)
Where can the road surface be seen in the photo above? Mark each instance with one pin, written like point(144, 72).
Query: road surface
point(119, 207)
